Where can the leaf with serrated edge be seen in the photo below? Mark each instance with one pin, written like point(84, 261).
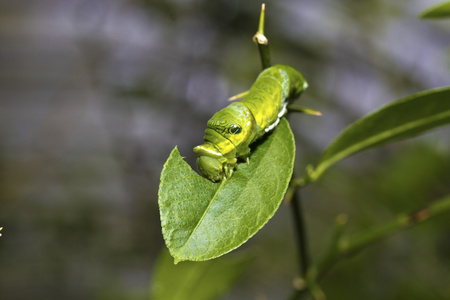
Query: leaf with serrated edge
point(398, 120)
point(202, 220)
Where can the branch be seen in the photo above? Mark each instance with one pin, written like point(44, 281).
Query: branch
point(340, 247)
point(299, 224)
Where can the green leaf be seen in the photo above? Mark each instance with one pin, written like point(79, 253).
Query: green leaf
point(398, 120)
point(441, 10)
point(203, 220)
point(195, 280)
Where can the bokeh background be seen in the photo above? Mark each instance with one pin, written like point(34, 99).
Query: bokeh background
point(94, 94)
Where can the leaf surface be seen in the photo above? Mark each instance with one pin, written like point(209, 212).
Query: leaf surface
point(398, 120)
point(203, 220)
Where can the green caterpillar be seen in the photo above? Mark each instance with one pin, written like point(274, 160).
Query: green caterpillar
point(231, 130)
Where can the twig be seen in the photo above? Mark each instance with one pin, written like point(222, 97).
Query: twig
point(263, 43)
point(401, 222)
point(308, 111)
point(340, 247)
point(299, 224)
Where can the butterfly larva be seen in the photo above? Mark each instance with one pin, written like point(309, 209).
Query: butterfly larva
point(231, 130)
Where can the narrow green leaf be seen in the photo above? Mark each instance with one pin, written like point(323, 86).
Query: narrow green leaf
point(398, 120)
point(203, 220)
point(441, 10)
point(195, 280)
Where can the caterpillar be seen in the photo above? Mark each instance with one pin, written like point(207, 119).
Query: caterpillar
point(231, 130)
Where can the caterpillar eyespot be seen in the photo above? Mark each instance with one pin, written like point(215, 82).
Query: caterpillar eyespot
point(231, 130)
point(234, 129)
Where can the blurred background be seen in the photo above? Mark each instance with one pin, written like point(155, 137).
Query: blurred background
point(94, 94)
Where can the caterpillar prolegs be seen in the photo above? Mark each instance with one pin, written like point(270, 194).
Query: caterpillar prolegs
point(231, 130)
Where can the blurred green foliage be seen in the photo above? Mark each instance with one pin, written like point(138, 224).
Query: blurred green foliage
point(196, 280)
point(441, 10)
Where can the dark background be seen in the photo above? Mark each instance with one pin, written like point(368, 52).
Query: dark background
point(94, 95)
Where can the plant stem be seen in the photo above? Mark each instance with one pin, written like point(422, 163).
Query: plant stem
point(307, 281)
point(302, 241)
point(263, 43)
point(402, 221)
point(292, 195)
point(340, 248)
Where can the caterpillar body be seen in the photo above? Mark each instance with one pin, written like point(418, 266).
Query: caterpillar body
point(231, 130)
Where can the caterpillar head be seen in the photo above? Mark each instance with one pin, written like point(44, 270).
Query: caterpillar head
point(210, 162)
point(210, 167)
point(213, 164)
point(228, 134)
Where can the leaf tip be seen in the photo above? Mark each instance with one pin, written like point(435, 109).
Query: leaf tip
point(176, 259)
